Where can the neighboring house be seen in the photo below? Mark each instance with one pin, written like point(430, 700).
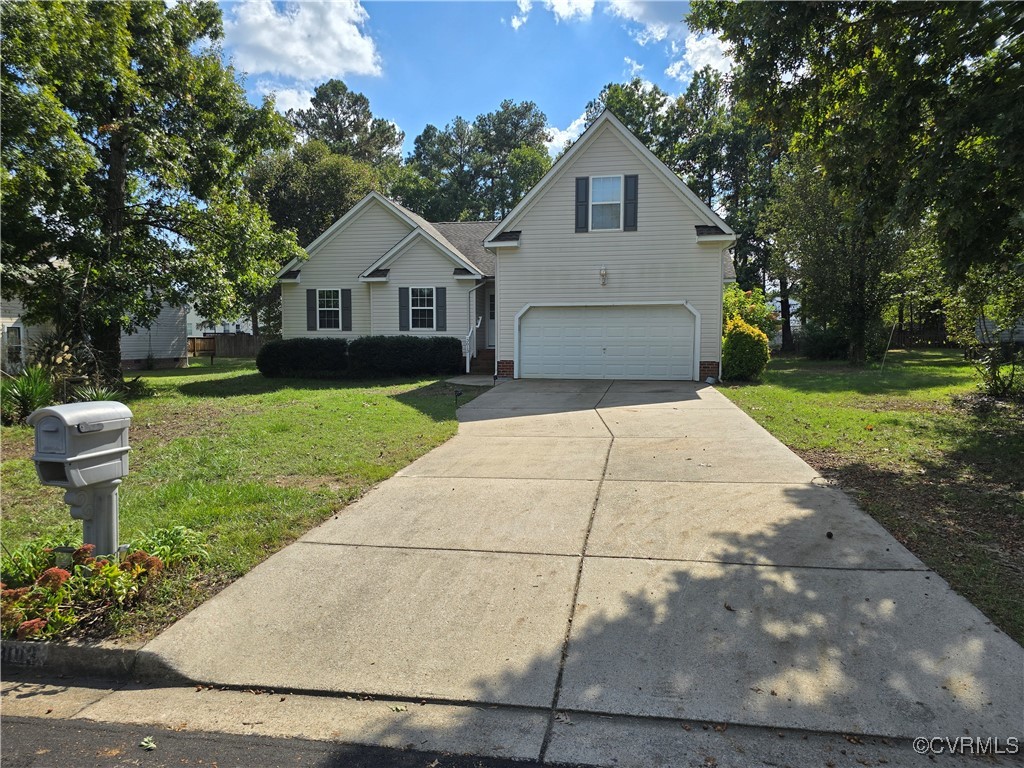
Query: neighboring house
point(164, 342)
point(197, 325)
point(610, 267)
point(163, 345)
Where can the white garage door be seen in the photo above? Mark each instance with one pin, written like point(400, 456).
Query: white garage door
point(629, 342)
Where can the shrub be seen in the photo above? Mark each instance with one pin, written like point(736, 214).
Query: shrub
point(405, 355)
point(97, 392)
point(313, 358)
point(43, 600)
point(744, 351)
point(752, 306)
point(823, 343)
point(29, 390)
point(64, 361)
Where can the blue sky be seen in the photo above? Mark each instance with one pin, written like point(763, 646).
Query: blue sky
point(426, 62)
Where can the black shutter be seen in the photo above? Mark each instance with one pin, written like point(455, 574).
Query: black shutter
point(582, 195)
point(346, 309)
point(629, 214)
point(403, 309)
point(441, 309)
point(311, 309)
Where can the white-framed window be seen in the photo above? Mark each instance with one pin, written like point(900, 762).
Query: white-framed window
point(605, 202)
point(13, 343)
point(421, 309)
point(328, 308)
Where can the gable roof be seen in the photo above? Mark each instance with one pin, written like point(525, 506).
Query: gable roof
point(462, 241)
point(350, 215)
point(606, 118)
point(442, 245)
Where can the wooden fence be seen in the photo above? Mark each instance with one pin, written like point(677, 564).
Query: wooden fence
point(222, 345)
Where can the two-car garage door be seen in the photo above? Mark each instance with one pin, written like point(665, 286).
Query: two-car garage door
point(607, 342)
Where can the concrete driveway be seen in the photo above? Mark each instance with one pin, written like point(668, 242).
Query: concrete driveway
point(629, 549)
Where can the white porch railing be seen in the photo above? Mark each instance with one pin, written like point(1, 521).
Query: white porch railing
point(469, 343)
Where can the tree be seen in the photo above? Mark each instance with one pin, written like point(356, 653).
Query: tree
point(986, 317)
point(697, 131)
point(641, 107)
point(512, 129)
point(841, 265)
point(443, 185)
point(307, 188)
point(342, 119)
point(911, 107)
point(477, 170)
point(124, 140)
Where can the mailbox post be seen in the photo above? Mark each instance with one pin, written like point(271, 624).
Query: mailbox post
point(83, 447)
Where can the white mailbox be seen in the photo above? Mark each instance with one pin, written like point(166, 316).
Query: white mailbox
point(81, 444)
point(84, 447)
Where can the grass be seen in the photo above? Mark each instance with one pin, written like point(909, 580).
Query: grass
point(923, 453)
point(251, 462)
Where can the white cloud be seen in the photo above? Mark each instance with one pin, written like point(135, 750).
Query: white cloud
point(563, 10)
point(524, 13)
point(567, 10)
point(286, 98)
point(559, 137)
point(311, 40)
point(700, 52)
point(657, 21)
point(635, 67)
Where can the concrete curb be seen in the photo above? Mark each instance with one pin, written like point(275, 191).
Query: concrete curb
point(90, 660)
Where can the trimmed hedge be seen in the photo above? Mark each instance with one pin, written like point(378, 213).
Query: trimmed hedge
point(744, 351)
point(304, 358)
point(404, 355)
point(365, 357)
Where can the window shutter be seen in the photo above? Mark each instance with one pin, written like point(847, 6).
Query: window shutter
point(629, 213)
point(346, 309)
point(403, 309)
point(441, 309)
point(582, 194)
point(311, 309)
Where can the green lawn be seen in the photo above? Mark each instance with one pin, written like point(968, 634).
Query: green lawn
point(936, 464)
point(252, 462)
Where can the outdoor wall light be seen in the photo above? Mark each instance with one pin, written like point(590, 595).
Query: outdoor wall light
point(604, 276)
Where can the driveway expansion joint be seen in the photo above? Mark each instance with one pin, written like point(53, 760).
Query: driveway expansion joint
point(549, 731)
point(438, 549)
point(788, 566)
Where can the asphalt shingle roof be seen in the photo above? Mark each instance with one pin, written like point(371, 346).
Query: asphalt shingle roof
point(468, 239)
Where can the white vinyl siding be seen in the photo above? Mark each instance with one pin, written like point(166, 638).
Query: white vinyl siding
point(616, 342)
point(166, 339)
point(421, 265)
point(661, 262)
point(337, 263)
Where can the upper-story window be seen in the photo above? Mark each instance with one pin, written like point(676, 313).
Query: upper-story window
point(328, 305)
point(605, 202)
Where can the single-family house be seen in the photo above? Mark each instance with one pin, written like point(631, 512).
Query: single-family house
point(610, 267)
point(163, 344)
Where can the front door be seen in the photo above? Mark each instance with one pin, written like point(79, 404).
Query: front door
point(490, 317)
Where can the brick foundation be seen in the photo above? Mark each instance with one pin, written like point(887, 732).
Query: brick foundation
point(506, 368)
point(709, 368)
